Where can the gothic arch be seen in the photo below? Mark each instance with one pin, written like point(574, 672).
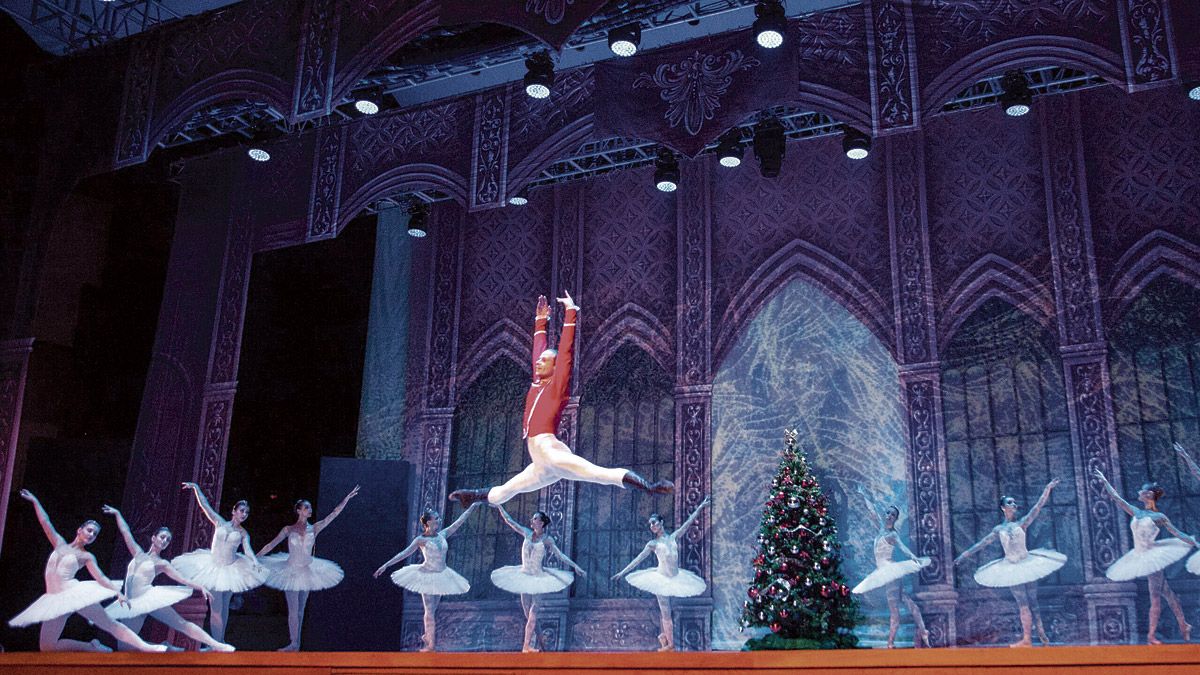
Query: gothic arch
point(630, 324)
point(993, 276)
point(502, 340)
point(1157, 254)
point(399, 179)
point(230, 85)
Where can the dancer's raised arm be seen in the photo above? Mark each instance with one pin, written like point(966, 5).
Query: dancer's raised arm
point(1187, 459)
point(991, 536)
point(274, 542)
point(1112, 492)
point(646, 551)
point(872, 514)
point(692, 518)
point(1166, 524)
point(247, 548)
point(450, 529)
point(562, 556)
point(408, 550)
point(209, 512)
point(540, 321)
point(123, 528)
point(564, 362)
point(55, 538)
point(1037, 508)
point(337, 511)
point(512, 523)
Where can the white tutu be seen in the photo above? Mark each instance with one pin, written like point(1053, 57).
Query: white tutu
point(1142, 563)
point(515, 580)
point(72, 598)
point(685, 584)
point(239, 575)
point(420, 580)
point(317, 575)
point(155, 597)
point(889, 572)
point(1002, 573)
point(1193, 563)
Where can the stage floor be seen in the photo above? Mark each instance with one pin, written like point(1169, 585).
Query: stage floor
point(1128, 660)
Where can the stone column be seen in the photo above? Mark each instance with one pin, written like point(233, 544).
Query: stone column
point(14, 367)
point(920, 381)
point(1110, 606)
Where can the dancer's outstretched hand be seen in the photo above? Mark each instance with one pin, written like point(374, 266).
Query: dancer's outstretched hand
point(1097, 473)
point(1180, 449)
point(188, 485)
point(28, 496)
point(206, 593)
point(543, 308)
point(381, 570)
point(581, 574)
point(616, 576)
point(110, 510)
point(567, 302)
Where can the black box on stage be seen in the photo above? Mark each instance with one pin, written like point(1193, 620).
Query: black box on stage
point(361, 613)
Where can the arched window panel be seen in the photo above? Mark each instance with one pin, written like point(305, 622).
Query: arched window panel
point(1006, 434)
point(626, 419)
point(487, 450)
point(1154, 362)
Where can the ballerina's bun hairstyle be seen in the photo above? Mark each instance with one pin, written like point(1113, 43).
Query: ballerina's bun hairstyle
point(1155, 488)
point(1004, 498)
point(541, 515)
point(299, 503)
point(893, 511)
point(426, 516)
point(162, 529)
point(241, 502)
point(91, 522)
point(655, 516)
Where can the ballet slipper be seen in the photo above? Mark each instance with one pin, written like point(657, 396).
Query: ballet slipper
point(1186, 629)
point(662, 487)
point(468, 497)
point(1023, 642)
point(1152, 639)
point(290, 647)
point(921, 639)
point(99, 646)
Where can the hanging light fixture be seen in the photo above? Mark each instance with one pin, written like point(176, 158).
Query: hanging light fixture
point(625, 40)
point(521, 198)
point(369, 101)
point(1192, 89)
point(1015, 97)
point(539, 75)
point(666, 171)
point(769, 146)
point(418, 219)
point(855, 143)
point(729, 149)
point(770, 23)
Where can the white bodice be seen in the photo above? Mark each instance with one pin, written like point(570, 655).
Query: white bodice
point(884, 548)
point(434, 550)
point(666, 549)
point(139, 574)
point(61, 568)
point(300, 545)
point(1145, 531)
point(1012, 540)
point(533, 553)
point(225, 542)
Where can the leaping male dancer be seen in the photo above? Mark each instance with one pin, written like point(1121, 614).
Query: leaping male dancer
point(551, 459)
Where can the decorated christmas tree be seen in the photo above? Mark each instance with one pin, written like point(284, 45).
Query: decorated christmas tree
point(798, 590)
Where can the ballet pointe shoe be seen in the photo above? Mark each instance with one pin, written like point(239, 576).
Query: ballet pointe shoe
point(1045, 639)
point(1186, 630)
point(665, 644)
point(224, 647)
point(99, 646)
point(1023, 642)
point(290, 647)
point(662, 487)
point(466, 498)
point(921, 638)
point(1152, 639)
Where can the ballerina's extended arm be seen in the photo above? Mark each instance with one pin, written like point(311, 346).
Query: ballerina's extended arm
point(1165, 523)
point(1112, 492)
point(55, 538)
point(165, 567)
point(561, 556)
point(123, 528)
point(1037, 508)
point(991, 536)
point(249, 549)
point(872, 514)
point(692, 518)
point(1187, 459)
point(408, 550)
point(90, 561)
point(274, 542)
point(649, 548)
point(337, 511)
point(209, 512)
point(450, 529)
point(512, 523)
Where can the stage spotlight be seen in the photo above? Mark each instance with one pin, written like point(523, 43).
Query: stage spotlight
point(418, 219)
point(519, 199)
point(258, 154)
point(1015, 96)
point(1192, 89)
point(368, 102)
point(769, 145)
point(539, 75)
point(855, 143)
point(770, 24)
point(666, 171)
point(729, 150)
point(624, 40)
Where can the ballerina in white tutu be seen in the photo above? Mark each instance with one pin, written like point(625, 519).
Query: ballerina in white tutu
point(431, 579)
point(65, 595)
point(146, 599)
point(1193, 563)
point(1020, 568)
point(530, 579)
point(221, 569)
point(297, 572)
point(1150, 555)
point(667, 580)
point(889, 573)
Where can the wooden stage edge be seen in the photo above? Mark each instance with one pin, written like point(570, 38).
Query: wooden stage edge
point(1129, 660)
